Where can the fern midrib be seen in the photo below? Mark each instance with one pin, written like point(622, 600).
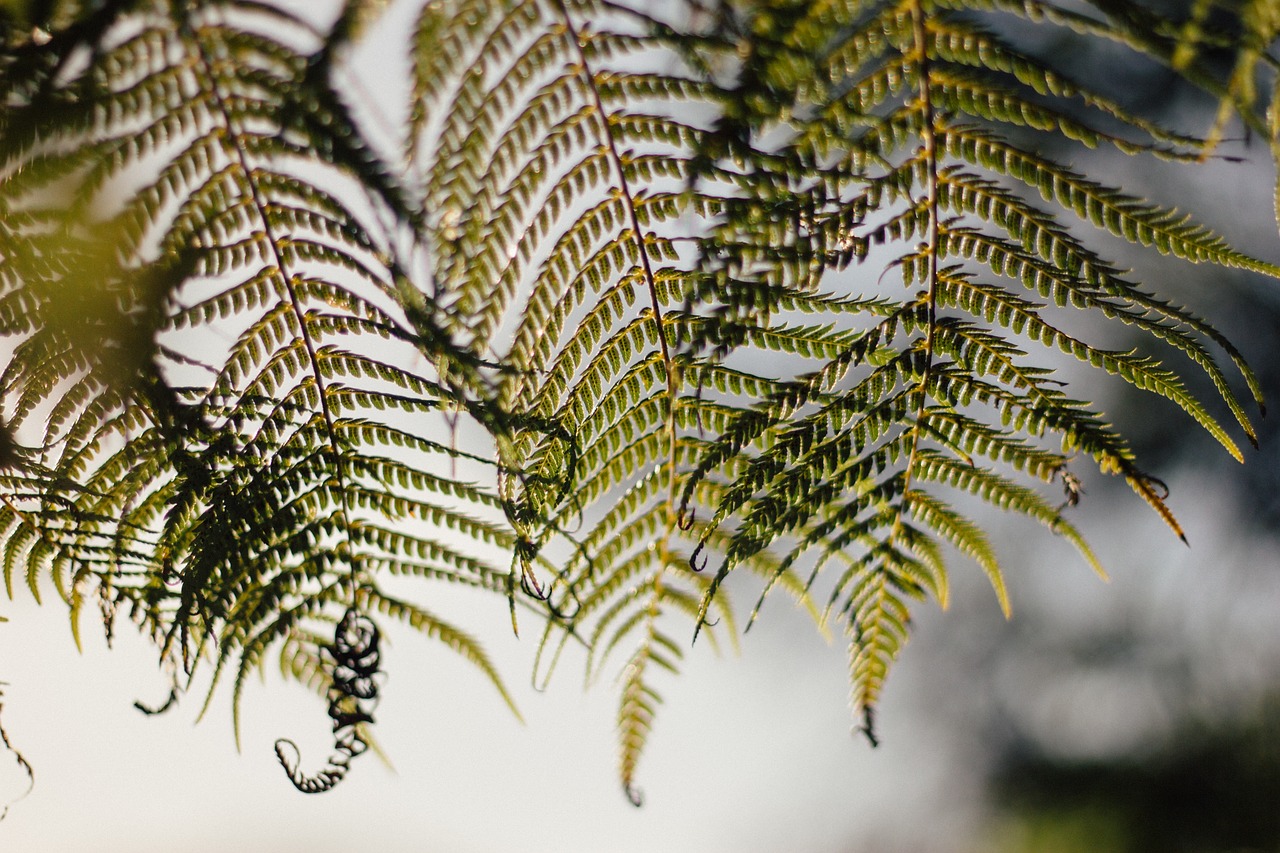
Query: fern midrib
point(646, 263)
point(867, 663)
point(929, 144)
point(260, 206)
point(653, 610)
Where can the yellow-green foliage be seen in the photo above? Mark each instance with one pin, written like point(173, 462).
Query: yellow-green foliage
point(630, 302)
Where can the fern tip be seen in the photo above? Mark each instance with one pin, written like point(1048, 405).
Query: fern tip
point(634, 795)
point(868, 727)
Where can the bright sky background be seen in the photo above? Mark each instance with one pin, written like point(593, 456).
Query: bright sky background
point(751, 754)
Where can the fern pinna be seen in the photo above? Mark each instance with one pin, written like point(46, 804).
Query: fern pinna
point(644, 300)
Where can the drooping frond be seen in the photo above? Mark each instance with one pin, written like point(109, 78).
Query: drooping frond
point(893, 143)
point(557, 166)
point(648, 296)
point(231, 377)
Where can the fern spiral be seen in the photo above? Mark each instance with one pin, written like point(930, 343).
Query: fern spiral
point(353, 695)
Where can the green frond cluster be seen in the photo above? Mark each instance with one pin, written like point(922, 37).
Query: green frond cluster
point(556, 166)
point(642, 300)
point(241, 409)
point(902, 127)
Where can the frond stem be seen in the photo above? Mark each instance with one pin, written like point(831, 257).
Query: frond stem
point(635, 670)
point(933, 244)
point(288, 290)
point(646, 264)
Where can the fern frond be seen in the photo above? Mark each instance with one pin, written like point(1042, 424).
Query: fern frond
point(239, 376)
point(876, 131)
point(782, 288)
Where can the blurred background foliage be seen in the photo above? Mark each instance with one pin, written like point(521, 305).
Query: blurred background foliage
point(1144, 717)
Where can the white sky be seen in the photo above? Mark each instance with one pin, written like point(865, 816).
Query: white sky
point(751, 753)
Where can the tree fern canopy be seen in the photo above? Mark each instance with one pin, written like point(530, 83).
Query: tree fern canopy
point(634, 300)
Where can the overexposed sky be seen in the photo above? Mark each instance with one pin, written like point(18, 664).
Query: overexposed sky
point(751, 753)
